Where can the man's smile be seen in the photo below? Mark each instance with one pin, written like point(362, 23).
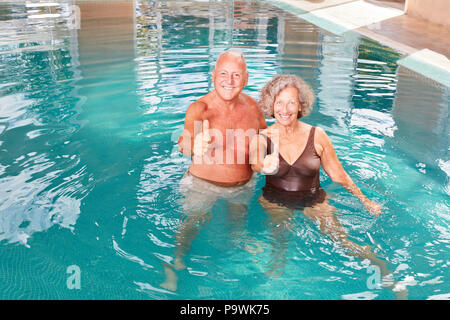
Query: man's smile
point(228, 88)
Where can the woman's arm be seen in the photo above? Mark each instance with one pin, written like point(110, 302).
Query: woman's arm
point(333, 168)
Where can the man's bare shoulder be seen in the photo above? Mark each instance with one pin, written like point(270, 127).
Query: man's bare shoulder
point(249, 101)
point(251, 107)
point(197, 108)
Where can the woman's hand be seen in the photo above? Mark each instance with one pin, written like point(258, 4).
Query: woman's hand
point(271, 164)
point(271, 161)
point(373, 207)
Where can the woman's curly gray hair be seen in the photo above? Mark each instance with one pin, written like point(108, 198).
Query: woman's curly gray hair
point(271, 90)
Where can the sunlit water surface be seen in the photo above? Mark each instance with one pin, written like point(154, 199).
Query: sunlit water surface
point(89, 168)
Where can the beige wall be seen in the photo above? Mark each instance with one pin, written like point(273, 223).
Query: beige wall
point(436, 11)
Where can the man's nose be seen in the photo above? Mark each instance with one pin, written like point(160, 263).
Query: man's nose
point(230, 79)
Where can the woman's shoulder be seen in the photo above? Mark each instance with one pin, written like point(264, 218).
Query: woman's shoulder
point(306, 129)
point(269, 131)
point(319, 132)
point(321, 137)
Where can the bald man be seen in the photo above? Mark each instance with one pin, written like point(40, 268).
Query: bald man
point(230, 116)
point(217, 132)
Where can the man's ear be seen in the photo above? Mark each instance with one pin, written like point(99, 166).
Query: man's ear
point(213, 74)
point(246, 78)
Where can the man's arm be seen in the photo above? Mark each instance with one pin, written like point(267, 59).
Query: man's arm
point(257, 111)
point(262, 120)
point(194, 113)
point(258, 144)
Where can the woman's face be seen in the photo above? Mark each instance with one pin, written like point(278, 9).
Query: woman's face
point(286, 106)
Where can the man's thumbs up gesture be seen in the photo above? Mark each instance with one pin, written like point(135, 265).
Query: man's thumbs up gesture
point(202, 140)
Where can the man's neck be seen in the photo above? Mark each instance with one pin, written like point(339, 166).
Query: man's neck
point(228, 105)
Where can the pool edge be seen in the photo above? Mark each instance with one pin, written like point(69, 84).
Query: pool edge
point(425, 62)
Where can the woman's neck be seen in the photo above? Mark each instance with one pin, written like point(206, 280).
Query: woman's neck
point(289, 130)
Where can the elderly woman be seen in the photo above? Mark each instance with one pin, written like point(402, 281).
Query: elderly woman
point(290, 153)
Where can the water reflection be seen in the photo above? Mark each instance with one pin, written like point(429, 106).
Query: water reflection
point(88, 127)
point(422, 120)
point(42, 180)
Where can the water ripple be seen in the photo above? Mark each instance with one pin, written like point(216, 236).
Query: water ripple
point(89, 121)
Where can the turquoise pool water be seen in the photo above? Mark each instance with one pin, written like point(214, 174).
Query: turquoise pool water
point(89, 170)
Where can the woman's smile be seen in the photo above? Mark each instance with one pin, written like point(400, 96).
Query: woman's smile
point(287, 106)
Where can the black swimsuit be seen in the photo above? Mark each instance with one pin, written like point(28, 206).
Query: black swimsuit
point(298, 185)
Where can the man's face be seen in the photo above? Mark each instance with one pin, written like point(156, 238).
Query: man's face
point(229, 77)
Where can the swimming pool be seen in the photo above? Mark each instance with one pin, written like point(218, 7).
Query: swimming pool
point(89, 167)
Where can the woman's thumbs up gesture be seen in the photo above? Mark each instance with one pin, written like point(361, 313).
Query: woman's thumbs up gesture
point(271, 162)
point(202, 140)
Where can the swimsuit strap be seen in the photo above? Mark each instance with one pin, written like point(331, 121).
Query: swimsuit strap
point(310, 141)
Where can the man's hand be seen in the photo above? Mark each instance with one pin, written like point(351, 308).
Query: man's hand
point(202, 140)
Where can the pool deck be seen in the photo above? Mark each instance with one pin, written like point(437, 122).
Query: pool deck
point(425, 46)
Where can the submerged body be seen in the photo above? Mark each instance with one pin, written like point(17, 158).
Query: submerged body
point(290, 153)
point(217, 132)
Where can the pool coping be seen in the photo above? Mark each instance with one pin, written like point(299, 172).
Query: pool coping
point(425, 62)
